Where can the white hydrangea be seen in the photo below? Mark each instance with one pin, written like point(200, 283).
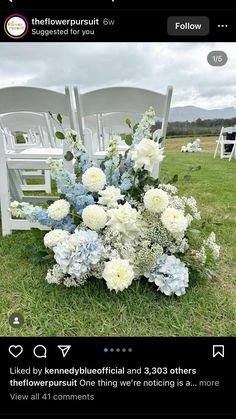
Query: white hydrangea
point(54, 237)
point(94, 217)
point(174, 221)
point(15, 210)
point(213, 246)
point(94, 179)
point(20, 209)
point(147, 154)
point(110, 196)
point(118, 274)
point(58, 210)
point(124, 219)
point(156, 200)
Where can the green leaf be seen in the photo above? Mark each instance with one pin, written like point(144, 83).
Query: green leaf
point(60, 135)
point(135, 127)
point(68, 156)
point(128, 139)
point(175, 178)
point(40, 256)
point(160, 140)
point(50, 201)
point(59, 118)
point(187, 178)
point(128, 122)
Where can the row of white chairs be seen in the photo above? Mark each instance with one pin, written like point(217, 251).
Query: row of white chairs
point(95, 115)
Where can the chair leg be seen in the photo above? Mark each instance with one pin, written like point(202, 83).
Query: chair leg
point(5, 200)
point(47, 177)
point(216, 149)
point(232, 152)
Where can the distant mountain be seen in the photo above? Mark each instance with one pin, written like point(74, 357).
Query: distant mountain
point(191, 113)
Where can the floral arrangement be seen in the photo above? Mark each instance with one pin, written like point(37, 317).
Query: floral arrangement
point(193, 147)
point(116, 221)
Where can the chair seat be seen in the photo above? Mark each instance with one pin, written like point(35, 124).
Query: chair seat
point(27, 164)
point(36, 153)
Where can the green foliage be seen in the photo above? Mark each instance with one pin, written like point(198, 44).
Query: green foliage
point(199, 127)
point(60, 135)
point(68, 156)
point(128, 139)
point(59, 118)
point(128, 122)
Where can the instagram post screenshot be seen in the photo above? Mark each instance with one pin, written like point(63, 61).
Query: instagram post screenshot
point(117, 209)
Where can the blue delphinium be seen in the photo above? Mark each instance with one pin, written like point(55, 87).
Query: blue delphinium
point(83, 161)
point(170, 275)
point(78, 252)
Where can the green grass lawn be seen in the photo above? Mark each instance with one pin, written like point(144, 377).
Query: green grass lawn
point(207, 309)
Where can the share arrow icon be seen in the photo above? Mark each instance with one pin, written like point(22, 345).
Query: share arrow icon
point(64, 349)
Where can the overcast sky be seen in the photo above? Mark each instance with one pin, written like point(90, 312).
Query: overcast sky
point(148, 65)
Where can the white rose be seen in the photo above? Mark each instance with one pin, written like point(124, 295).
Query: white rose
point(54, 237)
point(110, 196)
point(156, 200)
point(58, 210)
point(147, 154)
point(118, 274)
point(94, 179)
point(174, 220)
point(124, 219)
point(94, 217)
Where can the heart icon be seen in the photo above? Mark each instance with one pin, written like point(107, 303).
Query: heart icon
point(15, 350)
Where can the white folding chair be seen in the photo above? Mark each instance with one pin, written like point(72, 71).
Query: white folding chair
point(109, 105)
point(36, 131)
point(28, 99)
point(222, 142)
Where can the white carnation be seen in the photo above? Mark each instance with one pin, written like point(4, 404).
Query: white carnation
point(147, 154)
point(174, 220)
point(54, 237)
point(94, 179)
point(94, 217)
point(58, 210)
point(156, 200)
point(124, 219)
point(110, 196)
point(118, 274)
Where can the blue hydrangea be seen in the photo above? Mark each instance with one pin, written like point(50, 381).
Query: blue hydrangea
point(83, 201)
point(76, 254)
point(64, 224)
point(170, 275)
point(40, 215)
point(125, 184)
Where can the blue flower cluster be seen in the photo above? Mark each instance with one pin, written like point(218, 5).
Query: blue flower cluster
point(75, 193)
point(78, 252)
point(40, 215)
point(112, 171)
point(83, 161)
point(126, 181)
point(170, 275)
